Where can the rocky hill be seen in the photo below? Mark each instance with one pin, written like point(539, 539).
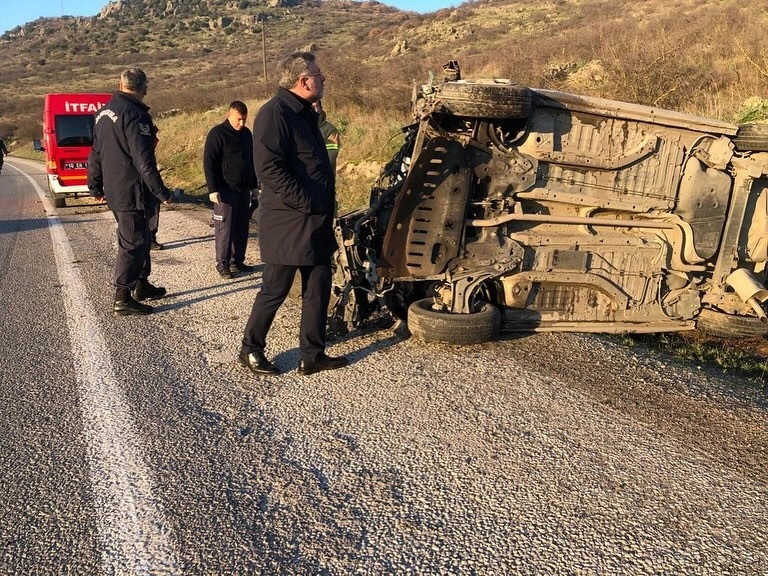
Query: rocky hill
point(197, 52)
point(688, 55)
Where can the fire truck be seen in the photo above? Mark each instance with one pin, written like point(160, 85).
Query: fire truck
point(68, 121)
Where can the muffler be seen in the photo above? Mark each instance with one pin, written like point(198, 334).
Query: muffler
point(750, 290)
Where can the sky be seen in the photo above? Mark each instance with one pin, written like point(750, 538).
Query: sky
point(16, 12)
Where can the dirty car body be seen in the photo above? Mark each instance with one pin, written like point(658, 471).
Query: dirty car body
point(518, 209)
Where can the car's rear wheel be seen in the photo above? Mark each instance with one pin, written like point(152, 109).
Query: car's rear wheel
point(439, 326)
point(752, 137)
point(722, 325)
point(486, 99)
point(58, 202)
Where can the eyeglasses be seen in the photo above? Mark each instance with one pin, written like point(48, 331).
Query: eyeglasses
point(310, 75)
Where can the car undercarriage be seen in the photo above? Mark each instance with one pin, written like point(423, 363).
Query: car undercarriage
point(516, 209)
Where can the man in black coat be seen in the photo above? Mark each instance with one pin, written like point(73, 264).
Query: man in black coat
point(123, 170)
point(296, 212)
point(230, 176)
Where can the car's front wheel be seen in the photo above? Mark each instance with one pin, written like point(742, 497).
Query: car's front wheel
point(439, 326)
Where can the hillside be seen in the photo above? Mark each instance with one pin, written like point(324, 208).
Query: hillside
point(196, 51)
point(201, 54)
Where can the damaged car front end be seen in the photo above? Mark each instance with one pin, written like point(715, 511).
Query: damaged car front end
point(517, 209)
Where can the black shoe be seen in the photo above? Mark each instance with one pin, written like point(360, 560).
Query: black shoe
point(155, 245)
point(146, 291)
point(242, 267)
point(257, 363)
point(129, 307)
point(323, 362)
point(225, 272)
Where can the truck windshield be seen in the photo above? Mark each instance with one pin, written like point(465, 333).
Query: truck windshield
point(74, 130)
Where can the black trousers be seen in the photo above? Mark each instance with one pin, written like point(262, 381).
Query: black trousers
point(230, 227)
point(132, 248)
point(275, 285)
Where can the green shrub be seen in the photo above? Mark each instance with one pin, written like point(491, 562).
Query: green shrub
point(754, 109)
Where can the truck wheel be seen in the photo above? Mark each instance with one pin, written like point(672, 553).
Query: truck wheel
point(437, 326)
point(59, 202)
point(752, 137)
point(722, 325)
point(485, 99)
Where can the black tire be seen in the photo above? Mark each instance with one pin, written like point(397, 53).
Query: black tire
point(436, 326)
point(59, 202)
point(722, 325)
point(485, 99)
point(752, 137)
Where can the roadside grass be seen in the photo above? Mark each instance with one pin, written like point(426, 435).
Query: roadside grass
point(747, 357)
point(27, 151)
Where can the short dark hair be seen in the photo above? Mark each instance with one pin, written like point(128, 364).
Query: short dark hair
point(293, 67)
point(239, 107)
point(134, 79)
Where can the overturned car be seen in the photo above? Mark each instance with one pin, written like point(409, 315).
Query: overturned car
point(517, 209)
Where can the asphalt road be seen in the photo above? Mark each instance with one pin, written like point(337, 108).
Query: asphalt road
point(138, 445)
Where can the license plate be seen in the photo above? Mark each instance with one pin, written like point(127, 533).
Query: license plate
point(75, 165)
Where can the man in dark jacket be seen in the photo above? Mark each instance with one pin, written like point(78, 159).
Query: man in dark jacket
point(296, 213)
point(123, 170)
point(230, 176)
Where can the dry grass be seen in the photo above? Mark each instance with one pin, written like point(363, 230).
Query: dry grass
point(368, 139)
point(689, 56)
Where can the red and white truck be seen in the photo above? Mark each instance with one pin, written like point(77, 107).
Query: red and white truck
point(68, 121)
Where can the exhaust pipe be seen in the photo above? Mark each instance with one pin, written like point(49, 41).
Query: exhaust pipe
point(749, 290)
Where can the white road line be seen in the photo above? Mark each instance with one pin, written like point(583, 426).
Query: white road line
point(134, 534)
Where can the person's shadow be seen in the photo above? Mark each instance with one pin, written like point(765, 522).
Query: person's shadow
point(288, 360)
point(174, 244)
point(238, 284)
